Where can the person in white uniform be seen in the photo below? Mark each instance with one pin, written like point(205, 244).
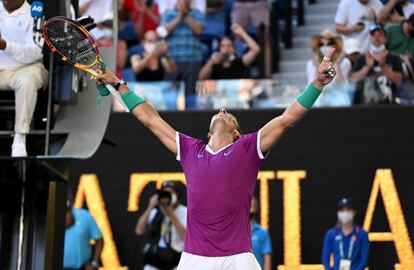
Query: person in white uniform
point(21, 67)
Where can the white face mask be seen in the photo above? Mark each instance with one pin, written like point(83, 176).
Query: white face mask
point(174, 199)
point(374, 48)
point(149, 47)
point(345, 217)
point(325, 49)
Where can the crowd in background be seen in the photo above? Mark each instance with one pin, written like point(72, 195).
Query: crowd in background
point(190, 40)
point(374, 57)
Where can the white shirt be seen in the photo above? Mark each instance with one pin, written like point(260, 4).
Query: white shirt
point(16, 29)
point(164, 5)
point(177, 243)
point(98, 9)
point(351, 12)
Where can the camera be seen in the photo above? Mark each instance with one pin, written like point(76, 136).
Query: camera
point(225, 57)
point(164, 197)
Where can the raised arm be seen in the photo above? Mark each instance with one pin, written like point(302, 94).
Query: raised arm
point(144, 112)
point(274, 129)
point(254, 48)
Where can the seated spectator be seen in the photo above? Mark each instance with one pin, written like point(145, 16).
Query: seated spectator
point(257, 13)
point(184, 26)
point(401, 42)
point(224, 64)
point(336, 93)
point(21, 67)
point(401, 36)
point(154, 62)
point(377, 73)
point(100, 11)
point(81, 228)
point(354, 17)
point(145, 17)
point(352, 49)
point(396, 10)
point(165, 5)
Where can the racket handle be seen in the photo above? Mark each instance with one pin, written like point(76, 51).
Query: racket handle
point(116, 95)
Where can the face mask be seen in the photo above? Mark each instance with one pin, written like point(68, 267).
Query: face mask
point(106, 32)
point(174, 199)
point(325, 49)
point(149, 47)
point(345, 217)
point(374, 48)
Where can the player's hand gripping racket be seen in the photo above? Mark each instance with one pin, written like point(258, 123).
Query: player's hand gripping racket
point(76, 46)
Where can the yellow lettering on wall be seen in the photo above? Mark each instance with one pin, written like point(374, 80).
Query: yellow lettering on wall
point(138, 181)
point(384, 182)
point(264, 177)
point(292, 222)
point(89, 191)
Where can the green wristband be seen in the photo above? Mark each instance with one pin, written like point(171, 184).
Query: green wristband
point(132, 100)
point(309, 96)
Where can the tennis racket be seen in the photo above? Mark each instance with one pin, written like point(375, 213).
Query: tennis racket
point(76, 46)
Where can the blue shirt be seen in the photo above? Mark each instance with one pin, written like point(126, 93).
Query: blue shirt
point(77, 250)
point(360, 252)
point(183, 44)
point(261, 243)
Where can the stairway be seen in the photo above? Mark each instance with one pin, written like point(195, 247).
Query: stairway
point(293, 61)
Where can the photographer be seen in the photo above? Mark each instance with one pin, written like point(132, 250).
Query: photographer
point(224, 64)
point(154, 62)
point(165, 219)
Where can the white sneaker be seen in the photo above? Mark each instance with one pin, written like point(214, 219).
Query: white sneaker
point(19, 149)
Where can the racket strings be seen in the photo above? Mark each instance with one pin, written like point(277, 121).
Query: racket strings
point(71, 42)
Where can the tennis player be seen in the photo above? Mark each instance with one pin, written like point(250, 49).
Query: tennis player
point(222, 174)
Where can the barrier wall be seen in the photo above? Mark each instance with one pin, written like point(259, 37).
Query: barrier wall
point(363, 153)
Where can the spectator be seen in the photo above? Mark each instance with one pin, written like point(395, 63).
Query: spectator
point(347, 242)
point(101, 11)
point(377, 73)
point(21, 67)
point(165, 218)
point(401, 36)
point(354, 17)
point(396, 10)
point(352, 49)
point(165, 5)
point(184, 26)
point(336, 93)
point(145, 17)
point(262, 246)
point(257, 13)
point(155, 61)
point(401, 41)
point(81, 228)
point(224, 64)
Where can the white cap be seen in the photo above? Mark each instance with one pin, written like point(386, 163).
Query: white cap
point(351, 45)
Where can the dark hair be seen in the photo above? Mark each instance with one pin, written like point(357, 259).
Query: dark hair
point(410, 19)
point(226, 37)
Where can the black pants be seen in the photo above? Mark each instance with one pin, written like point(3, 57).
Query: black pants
point(82, 268)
